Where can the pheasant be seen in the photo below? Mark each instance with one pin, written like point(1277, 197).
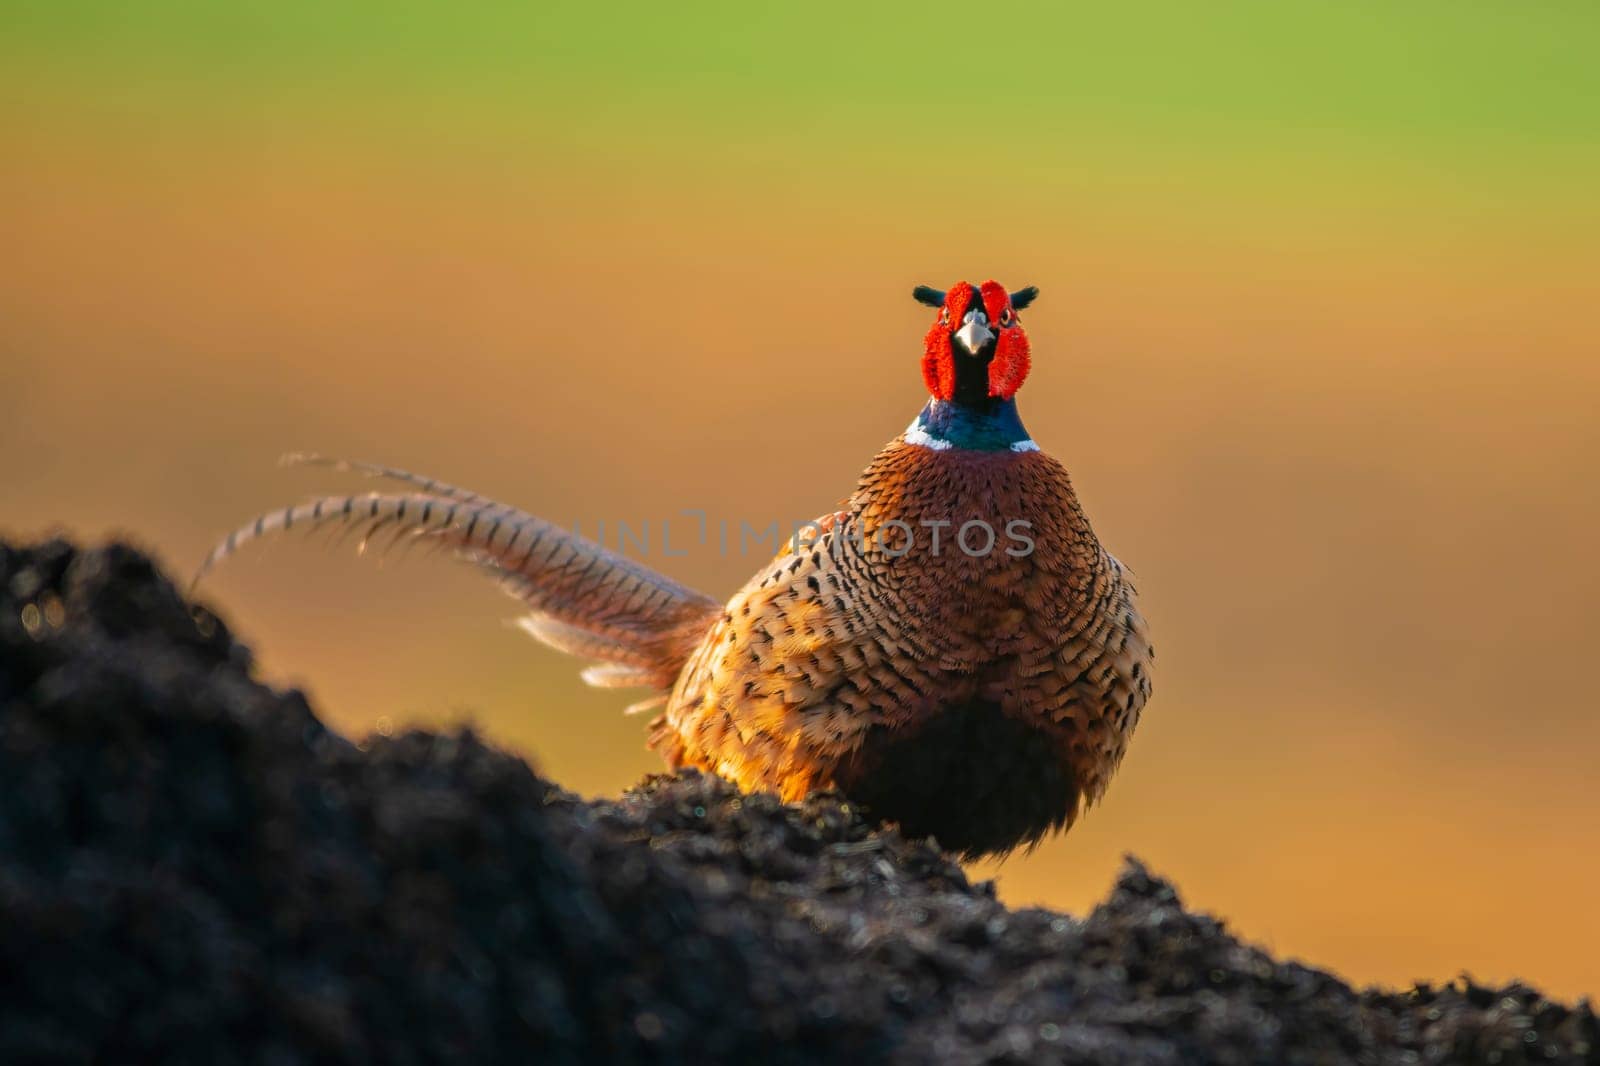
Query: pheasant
point(952, 648)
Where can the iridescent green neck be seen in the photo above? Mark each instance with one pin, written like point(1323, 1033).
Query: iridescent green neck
point(990, 426)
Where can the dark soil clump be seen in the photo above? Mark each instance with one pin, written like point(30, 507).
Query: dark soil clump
point(194, 869)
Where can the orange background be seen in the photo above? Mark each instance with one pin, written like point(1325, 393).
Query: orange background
point(1318, 340)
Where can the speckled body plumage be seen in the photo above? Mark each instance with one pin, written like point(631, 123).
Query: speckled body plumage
point(983, 696)
point(838, 657)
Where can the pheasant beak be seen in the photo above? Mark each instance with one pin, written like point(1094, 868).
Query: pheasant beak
point(974, 332)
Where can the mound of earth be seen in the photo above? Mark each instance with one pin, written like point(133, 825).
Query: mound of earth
point(194, 869)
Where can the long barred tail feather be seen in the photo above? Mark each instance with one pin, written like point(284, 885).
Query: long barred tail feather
point(577, 641)
point(615, 675)
point(584, 599)
point(649, 703)
point(429, 485)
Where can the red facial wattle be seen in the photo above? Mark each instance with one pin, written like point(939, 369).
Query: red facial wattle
point(1009, 365)
point(938, 360)
point(1012, 357)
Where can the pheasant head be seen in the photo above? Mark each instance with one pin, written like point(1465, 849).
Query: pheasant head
point(977, 350)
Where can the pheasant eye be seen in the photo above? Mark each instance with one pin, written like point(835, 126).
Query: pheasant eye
point(1006, 317)
point(944, 316)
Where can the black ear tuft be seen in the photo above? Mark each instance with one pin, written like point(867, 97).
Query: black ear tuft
point(927, 294)
point(1023, 297)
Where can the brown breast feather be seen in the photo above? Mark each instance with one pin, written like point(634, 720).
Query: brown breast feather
point(842, 637)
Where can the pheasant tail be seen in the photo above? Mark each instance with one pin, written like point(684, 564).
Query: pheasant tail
point(584, 600)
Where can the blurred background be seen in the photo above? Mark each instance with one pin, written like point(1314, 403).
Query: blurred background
point(1318, 339)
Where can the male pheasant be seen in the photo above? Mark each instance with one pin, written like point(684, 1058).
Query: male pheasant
point(952, 648)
